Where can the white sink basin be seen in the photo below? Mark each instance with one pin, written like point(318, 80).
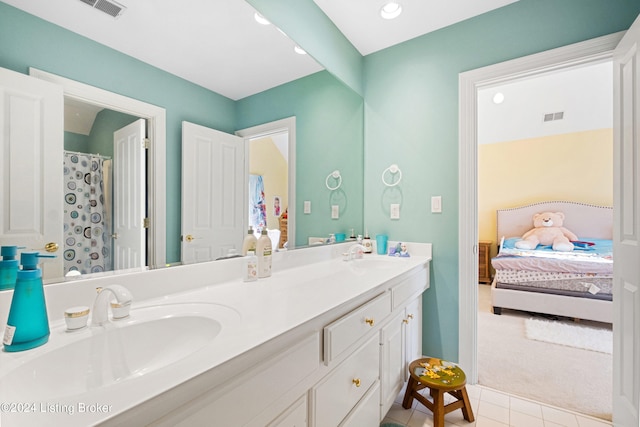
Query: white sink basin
point(151, 339)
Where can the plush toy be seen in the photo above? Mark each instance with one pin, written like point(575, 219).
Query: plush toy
point(548, 230)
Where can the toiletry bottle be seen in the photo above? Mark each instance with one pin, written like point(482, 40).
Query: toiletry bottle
point(27, 326)
point(8, 267)
point(249, 243)
point(263, 250)
point(250, 267)
point(366, 242)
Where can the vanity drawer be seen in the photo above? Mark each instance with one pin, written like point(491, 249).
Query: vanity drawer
point(344, 332)
point(409, 287)
point(341, 391)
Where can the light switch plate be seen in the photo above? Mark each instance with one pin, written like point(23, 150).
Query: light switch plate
point(395, 211)
point(436, 204)
point(307, 207)
point(335, 211)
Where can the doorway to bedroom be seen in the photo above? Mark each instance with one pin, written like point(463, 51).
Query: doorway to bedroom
point(544, 138)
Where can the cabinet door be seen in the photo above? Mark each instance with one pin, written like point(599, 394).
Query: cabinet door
point(413, 333)
point(392, 364)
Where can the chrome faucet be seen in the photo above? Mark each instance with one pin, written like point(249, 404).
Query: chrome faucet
point(359, 250)
point(101, 305)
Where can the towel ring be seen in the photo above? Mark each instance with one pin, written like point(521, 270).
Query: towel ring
point(393, 169)
point(336, 176)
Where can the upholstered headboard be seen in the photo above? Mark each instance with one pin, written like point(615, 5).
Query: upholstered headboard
point(583, 219)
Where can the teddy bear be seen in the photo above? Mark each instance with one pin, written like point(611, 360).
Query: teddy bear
point(548, 230)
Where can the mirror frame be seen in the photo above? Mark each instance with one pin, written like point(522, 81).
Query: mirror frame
point(283, 125)
point(156, 176)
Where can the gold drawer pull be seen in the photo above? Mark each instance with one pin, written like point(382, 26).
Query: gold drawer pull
point(356, 381)
point(369, 321)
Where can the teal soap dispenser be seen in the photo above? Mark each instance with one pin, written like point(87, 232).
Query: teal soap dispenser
point(28, 325)
point(8, 267)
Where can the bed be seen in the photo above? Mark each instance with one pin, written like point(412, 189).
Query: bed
point(574, 284)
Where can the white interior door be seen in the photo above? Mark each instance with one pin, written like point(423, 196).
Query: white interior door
point(31, 162)
point(129, 232)
point(213, 193)
point(626, 239)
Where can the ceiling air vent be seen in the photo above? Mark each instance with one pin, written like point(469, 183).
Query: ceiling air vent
point(109, 7)
point(550, 117)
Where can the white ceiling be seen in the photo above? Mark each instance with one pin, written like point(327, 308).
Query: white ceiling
point(360, 21)
point(583, 94)
point(218, 45)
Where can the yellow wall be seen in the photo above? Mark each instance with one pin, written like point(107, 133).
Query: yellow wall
point(265, 159)
point(574, 167)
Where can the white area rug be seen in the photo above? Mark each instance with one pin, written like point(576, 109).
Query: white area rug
point(572, 335)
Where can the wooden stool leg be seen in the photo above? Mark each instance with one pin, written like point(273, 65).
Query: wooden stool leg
point(438, 408)
point(467, 412)
point(408, 394)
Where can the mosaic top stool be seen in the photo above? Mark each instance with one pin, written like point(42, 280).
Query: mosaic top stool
point(440, 377)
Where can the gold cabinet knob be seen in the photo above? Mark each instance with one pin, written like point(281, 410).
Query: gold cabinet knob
point(405, 321)
point(51, 247)
point(189, 238)
point(410, 316)
point(357, 382)
point(369, 321)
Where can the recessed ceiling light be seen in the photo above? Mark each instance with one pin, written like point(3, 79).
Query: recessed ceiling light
point(390, 10)
point(260, 19)
point(498, 98)
point(299, 50)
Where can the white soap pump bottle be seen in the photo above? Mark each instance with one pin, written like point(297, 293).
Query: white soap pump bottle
point(263, 250)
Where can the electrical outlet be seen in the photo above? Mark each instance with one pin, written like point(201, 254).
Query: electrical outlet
point(436, 204)
point(307, 207)
point(335, 211)
point(395, 211)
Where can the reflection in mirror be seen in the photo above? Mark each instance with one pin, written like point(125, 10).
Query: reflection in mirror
point(138, 172)
point(268, 196)
point(97, 141)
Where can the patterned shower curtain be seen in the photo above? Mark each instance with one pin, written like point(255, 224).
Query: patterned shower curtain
point(87, 235)
point(257, 203)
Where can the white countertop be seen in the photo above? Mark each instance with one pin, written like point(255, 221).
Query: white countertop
point(265, 309)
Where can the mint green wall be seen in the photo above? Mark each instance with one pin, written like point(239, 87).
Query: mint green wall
point(76, 142)
point(305, 23)
point(27, 41)
point(329, 136)
point(411, 118)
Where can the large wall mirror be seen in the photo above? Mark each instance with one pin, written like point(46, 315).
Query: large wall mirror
point(328, 136)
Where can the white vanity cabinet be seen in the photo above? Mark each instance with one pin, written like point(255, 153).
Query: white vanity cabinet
point(343, 368)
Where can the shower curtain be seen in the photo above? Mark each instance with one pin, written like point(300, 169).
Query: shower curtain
point(87, 232)
point(257, 204)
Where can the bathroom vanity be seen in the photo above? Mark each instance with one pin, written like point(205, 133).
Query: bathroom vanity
point(323, 342)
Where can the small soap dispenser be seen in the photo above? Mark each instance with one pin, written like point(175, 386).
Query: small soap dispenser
point(28, 325)
point(366, 242)
point(8, 267)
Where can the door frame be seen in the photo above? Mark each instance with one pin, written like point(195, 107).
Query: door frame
point(157, 153)
point(283, 125)
point(588, 52)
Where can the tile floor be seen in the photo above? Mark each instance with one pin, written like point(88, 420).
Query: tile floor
point(493, 409)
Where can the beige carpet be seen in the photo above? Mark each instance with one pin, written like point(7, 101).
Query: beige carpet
point(567, 377)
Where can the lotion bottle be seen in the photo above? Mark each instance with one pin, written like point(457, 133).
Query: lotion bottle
point(8, 267)
point(263, 250)
point(250, 269)
point(249, 243)
point(366, 242)
point(28, 325)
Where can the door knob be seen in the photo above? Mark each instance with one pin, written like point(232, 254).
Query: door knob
point(189, 238)
point(51, 247)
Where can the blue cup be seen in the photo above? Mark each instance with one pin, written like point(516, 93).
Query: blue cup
point(381, 244)
point(340, 237)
